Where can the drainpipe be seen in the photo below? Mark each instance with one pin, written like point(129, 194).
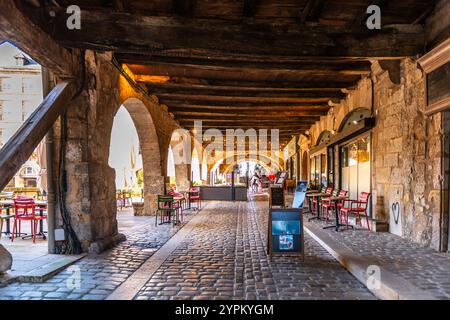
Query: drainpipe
point(50, 181)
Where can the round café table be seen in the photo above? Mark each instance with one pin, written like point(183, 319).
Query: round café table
point(338, 225)
point(317, 195)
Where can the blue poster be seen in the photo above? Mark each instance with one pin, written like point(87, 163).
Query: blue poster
point(300, 192)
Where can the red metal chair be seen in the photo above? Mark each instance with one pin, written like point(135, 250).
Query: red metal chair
point(194, 196)
point(358, 207)
point(327, 204)
point(316, 200)
point(180, 201)
point(24, 210)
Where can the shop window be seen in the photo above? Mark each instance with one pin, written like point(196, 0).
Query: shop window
point(330, 166)
point(355, 167)
point(323, 170)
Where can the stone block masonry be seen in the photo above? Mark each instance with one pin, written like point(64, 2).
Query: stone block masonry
point(407, 151)
point(90, 195)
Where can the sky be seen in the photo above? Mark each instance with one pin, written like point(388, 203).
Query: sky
point(124, 138)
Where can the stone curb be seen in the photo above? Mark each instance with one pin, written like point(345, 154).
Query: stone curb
point(391, 286)
point(41, 274)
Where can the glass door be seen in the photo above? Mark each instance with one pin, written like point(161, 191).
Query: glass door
point(355, 167)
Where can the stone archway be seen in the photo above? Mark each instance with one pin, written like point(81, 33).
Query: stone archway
point(150, 149)
point(181, 147)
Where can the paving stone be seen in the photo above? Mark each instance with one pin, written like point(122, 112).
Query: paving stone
point(100, 274)
point(227, 257)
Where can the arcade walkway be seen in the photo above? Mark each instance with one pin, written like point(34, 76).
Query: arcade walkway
point(219, 254)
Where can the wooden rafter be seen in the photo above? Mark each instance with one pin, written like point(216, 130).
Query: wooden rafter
point(20, 147)
point(17, 28)
point(135, 34)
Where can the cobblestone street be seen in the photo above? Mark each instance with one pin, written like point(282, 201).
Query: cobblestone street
point(226, 259)
point(100, 274)
point(423, 267)
point(222, 258)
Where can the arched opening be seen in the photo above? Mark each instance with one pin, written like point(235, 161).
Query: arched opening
point(21, 93)
point(195, 168)
point(126, 159)
point(142, 149)
point(180, 145)
point(204, 170)
point(220, 173)
point(171, 169)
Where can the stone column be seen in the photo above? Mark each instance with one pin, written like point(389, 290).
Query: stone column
point(183, 176)
point(85, 178)
point(153, 186)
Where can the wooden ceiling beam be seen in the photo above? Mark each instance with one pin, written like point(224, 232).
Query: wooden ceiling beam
point(184, 8)
point(240, 95)
point(245, 73)
point(305, 85)
point(205, 108)
point(123, 32)
point(275, 114)
point(184, 88)
point(232, 59)
point(361, 19)
point(17, 28)
point(233, 103)
point(248, 118)
point(312, 11)
point(165, 98)
point(250, 8)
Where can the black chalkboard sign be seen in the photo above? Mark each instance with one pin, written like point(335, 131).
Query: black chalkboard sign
point(286, 232)
point(276, 197)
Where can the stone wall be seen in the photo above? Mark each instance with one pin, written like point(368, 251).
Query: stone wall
point(406, 150)
point(90, 196)
point(407, 154)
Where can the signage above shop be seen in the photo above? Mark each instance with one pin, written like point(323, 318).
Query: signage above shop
point(290, 149)
point(362, 126)
point(436, 65)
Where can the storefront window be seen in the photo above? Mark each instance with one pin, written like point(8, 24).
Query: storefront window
point(330, 166)
point(313, 173)
point(355, 167)
point(323, 170)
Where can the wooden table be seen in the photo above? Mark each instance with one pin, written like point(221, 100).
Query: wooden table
point(318, 195)
point(335, 200)
point(41, 205)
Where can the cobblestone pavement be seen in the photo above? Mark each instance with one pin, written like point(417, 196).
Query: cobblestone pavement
point(425, 268)
point(225, 258)
point(100, 274)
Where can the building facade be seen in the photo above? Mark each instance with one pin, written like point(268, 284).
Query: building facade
point(20, 94)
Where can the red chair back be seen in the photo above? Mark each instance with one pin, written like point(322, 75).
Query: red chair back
point(195, 190)
point(24, 207)
point(364, 198)
point(343, 193)
point(329, 190)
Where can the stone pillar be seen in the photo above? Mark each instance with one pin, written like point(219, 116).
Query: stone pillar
point(153, 186)
point(183, 176)
point(5, 260)
point(85, 178)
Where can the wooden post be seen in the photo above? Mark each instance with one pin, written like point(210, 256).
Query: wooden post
point(22, 144)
